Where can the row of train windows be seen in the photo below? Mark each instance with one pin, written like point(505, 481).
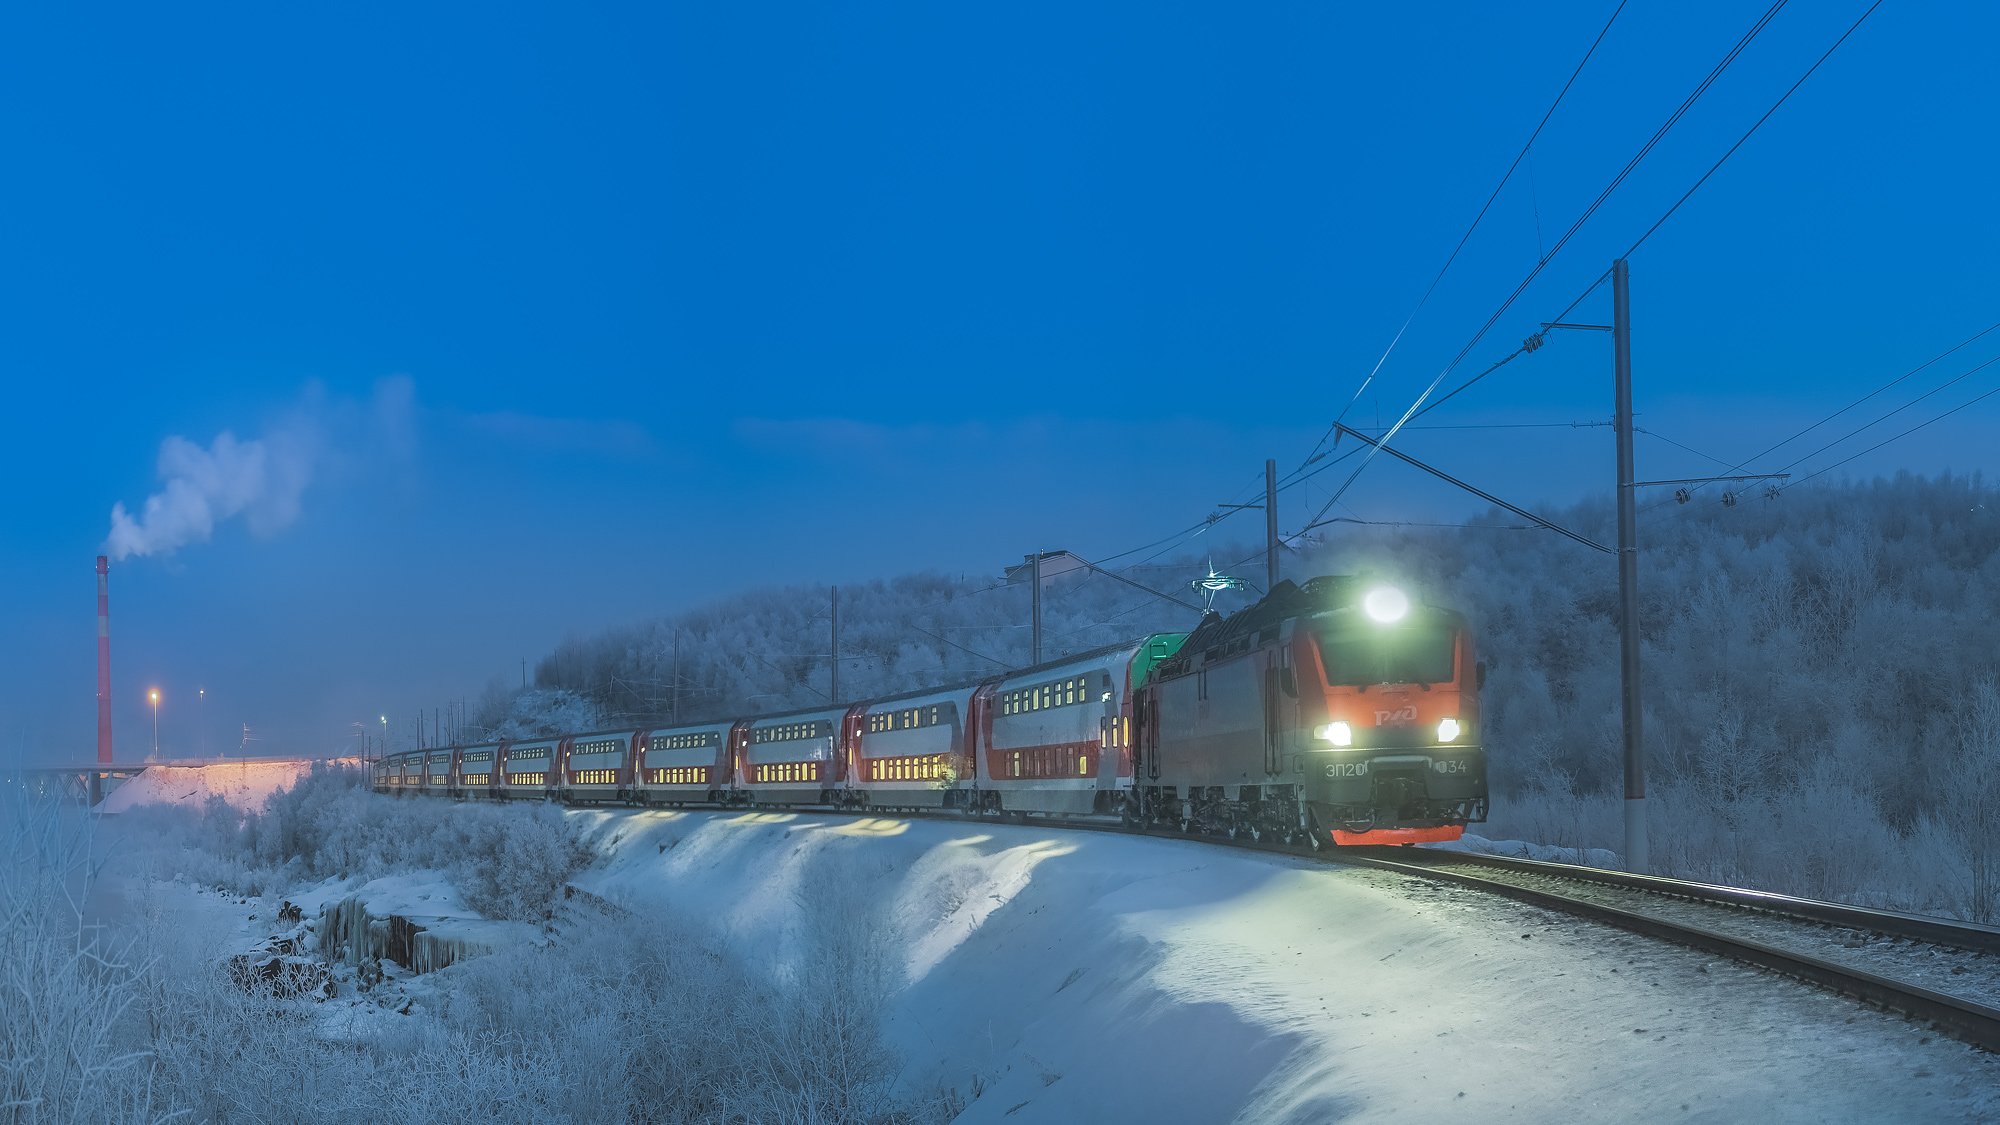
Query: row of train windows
point(527, 779)
point(1061, 693)
point(593, 777)
point(911, 717)
point(482, 756)
point(679, 775)
point(792, 732)
point(601, 746)
point(693, 741)
point(1044, 763)
point(926, 768)
point(476, 779)
point(786, 771)
point(527, 752)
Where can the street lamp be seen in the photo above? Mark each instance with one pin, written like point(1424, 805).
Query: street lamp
point(385, 734)
point(153, 697)
point(201, 717)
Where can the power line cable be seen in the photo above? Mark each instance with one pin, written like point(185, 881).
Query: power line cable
point(1852, 28)
point(1857, 431)
point(1904, 377)
point(1616, 181)
point(1898, 437)
point(1526, 148)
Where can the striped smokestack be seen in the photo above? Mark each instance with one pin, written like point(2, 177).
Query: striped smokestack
point(103, 661)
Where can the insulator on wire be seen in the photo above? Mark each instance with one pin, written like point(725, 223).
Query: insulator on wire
point(1534, 343)
point(1729, 499)
point(1682, 496)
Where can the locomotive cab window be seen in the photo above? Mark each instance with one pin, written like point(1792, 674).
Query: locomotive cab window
point(1357, 653)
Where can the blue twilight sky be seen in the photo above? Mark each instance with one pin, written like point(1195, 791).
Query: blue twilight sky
point(548, 316)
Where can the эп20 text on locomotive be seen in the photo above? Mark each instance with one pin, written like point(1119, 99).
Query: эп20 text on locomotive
point(1331, 712)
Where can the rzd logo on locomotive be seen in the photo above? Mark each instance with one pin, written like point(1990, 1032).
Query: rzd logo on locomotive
point(1392, 718)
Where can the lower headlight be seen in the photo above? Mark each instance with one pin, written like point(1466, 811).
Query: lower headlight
point(1337, 732)
point(1448, 729)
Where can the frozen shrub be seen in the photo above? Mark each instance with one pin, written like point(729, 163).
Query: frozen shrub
point(515, 862)
point(65, 987)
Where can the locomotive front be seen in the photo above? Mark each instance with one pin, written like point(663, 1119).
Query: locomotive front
point(1394, 751)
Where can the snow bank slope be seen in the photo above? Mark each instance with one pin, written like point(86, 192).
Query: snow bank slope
point(243, 784)
point(1070, 976)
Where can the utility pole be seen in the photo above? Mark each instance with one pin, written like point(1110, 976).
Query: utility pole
point(1270, 526)
point(524, 673)
point(1628, 571)
point(833, 686)
point(1270, 506)
point(1035, 609)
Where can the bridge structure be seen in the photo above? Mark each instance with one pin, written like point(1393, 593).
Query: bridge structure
point(82, 785)
point(90, 783)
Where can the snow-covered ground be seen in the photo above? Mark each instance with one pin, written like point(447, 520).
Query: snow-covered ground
point(1054, 976)
point(1071, 976)
point(245, 785)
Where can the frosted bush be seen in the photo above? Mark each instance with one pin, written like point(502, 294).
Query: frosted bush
point(65, 987)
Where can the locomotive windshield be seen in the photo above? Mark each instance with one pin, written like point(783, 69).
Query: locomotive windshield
point(1359, 653)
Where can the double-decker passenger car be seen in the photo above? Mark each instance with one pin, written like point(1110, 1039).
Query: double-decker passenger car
point(437, 772)
point(915, 751)
point(478, 773)
point(794, 759)
point(679, 765)
point(527, 768)
point(598, 767)
point(1055, 736)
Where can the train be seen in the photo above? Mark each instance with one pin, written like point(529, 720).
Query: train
point(1333, 712)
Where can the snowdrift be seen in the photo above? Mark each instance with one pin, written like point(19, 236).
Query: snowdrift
point(1053, 975)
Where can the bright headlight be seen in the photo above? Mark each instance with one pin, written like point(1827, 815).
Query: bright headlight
point(1385, 604)
point(1448, 729)
point(1338, 733)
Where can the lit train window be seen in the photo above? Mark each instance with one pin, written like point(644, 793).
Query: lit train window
point(694, 741)
point(793, 732)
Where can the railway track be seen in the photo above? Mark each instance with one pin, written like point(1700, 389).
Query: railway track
point(1943, 973)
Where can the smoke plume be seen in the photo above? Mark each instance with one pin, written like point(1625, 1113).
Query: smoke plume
point(262, 480)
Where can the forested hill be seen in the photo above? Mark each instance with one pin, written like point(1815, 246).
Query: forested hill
point(1819, 668)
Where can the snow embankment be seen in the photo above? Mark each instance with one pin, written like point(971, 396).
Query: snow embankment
point(245, 785)
point(1053, 975)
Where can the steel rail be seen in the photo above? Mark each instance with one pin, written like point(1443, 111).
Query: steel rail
point(1969, 936)
point(1966, 1020)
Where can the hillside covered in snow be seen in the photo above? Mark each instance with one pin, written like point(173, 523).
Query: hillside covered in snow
point(1817, 671)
